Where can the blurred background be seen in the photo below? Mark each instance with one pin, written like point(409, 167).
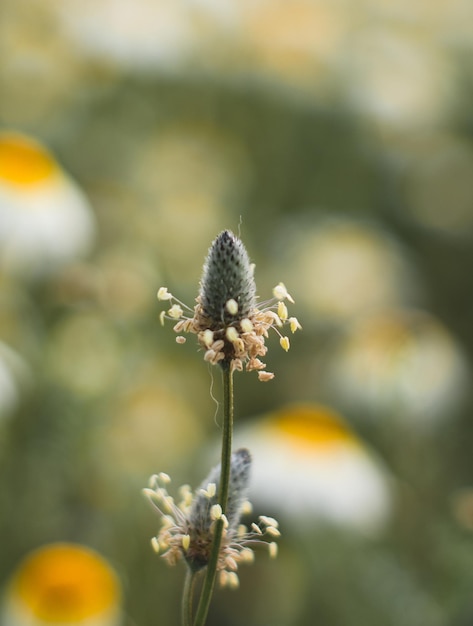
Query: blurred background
point(337, 138)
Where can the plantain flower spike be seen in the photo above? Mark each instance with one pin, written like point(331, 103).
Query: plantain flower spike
point(230, 326)
point(187, 528)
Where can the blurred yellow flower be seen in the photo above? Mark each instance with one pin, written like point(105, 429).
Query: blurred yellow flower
point(45, 219)
point(309, 467)
point(63, 584)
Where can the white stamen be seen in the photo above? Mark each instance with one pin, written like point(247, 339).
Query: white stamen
point(175, 311)
point(294, 324)
point(208, 337)
point(282, 311)
point(273, 549)
point(247, 555)
point(284, 341)
point(231, 334)
point(232, 306)
point(246, 325)
point(163, 294)
point(246, 507)
point(280, 292)
point(216, 512)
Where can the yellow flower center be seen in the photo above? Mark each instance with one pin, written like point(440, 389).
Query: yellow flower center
point(23, 161)
point(313, 426)
point(64, 583)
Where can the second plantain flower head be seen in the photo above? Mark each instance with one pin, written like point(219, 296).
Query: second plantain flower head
point(229, 324)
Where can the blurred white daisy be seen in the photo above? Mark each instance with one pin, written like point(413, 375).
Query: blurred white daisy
point(63, 584)
point(45, 219)
point(404, 364)
point(346, 268)
point(296, 43)
point(396, 75)
point(310, 468)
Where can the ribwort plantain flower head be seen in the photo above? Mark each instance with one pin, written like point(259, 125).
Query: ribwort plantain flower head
point(230, 326)
point(228, 290)
point(187, 528)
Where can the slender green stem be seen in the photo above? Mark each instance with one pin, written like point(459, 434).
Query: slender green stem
point(227, 436)
point(187, 596)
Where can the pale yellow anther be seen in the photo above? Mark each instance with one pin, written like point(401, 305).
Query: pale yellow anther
point(246, 508)
point(222, 578)
point(187, 500)
point(294, 324)
point(168, 503)
point(208, 337)
point(186, 540)
point(167, 521)
point(163, 294)
point(164, 478)
point(273, 549)
point(215, 512)
point(155, 545)
point(180, 339)
point(269, 521)
point(184, 491)
point(175, 311)
point(232, 580)
point(273, 532)
point(149, 493)
point(231, 334)
point(246, 325)
point(241, 530)
point(153, 481)
point(211, 490)
point(265, 376)
point(232, 306)
point(280, 292)
point(284, 341)
point(255, 528)
point(282, 311)
point(162, 315)
point(247, 555)
point(231, 563)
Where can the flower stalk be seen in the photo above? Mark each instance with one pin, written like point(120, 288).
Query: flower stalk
point(227, 437)
point(204, 529)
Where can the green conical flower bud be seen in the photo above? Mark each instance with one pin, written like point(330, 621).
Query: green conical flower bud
point(228, 289)
point(200, 516)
